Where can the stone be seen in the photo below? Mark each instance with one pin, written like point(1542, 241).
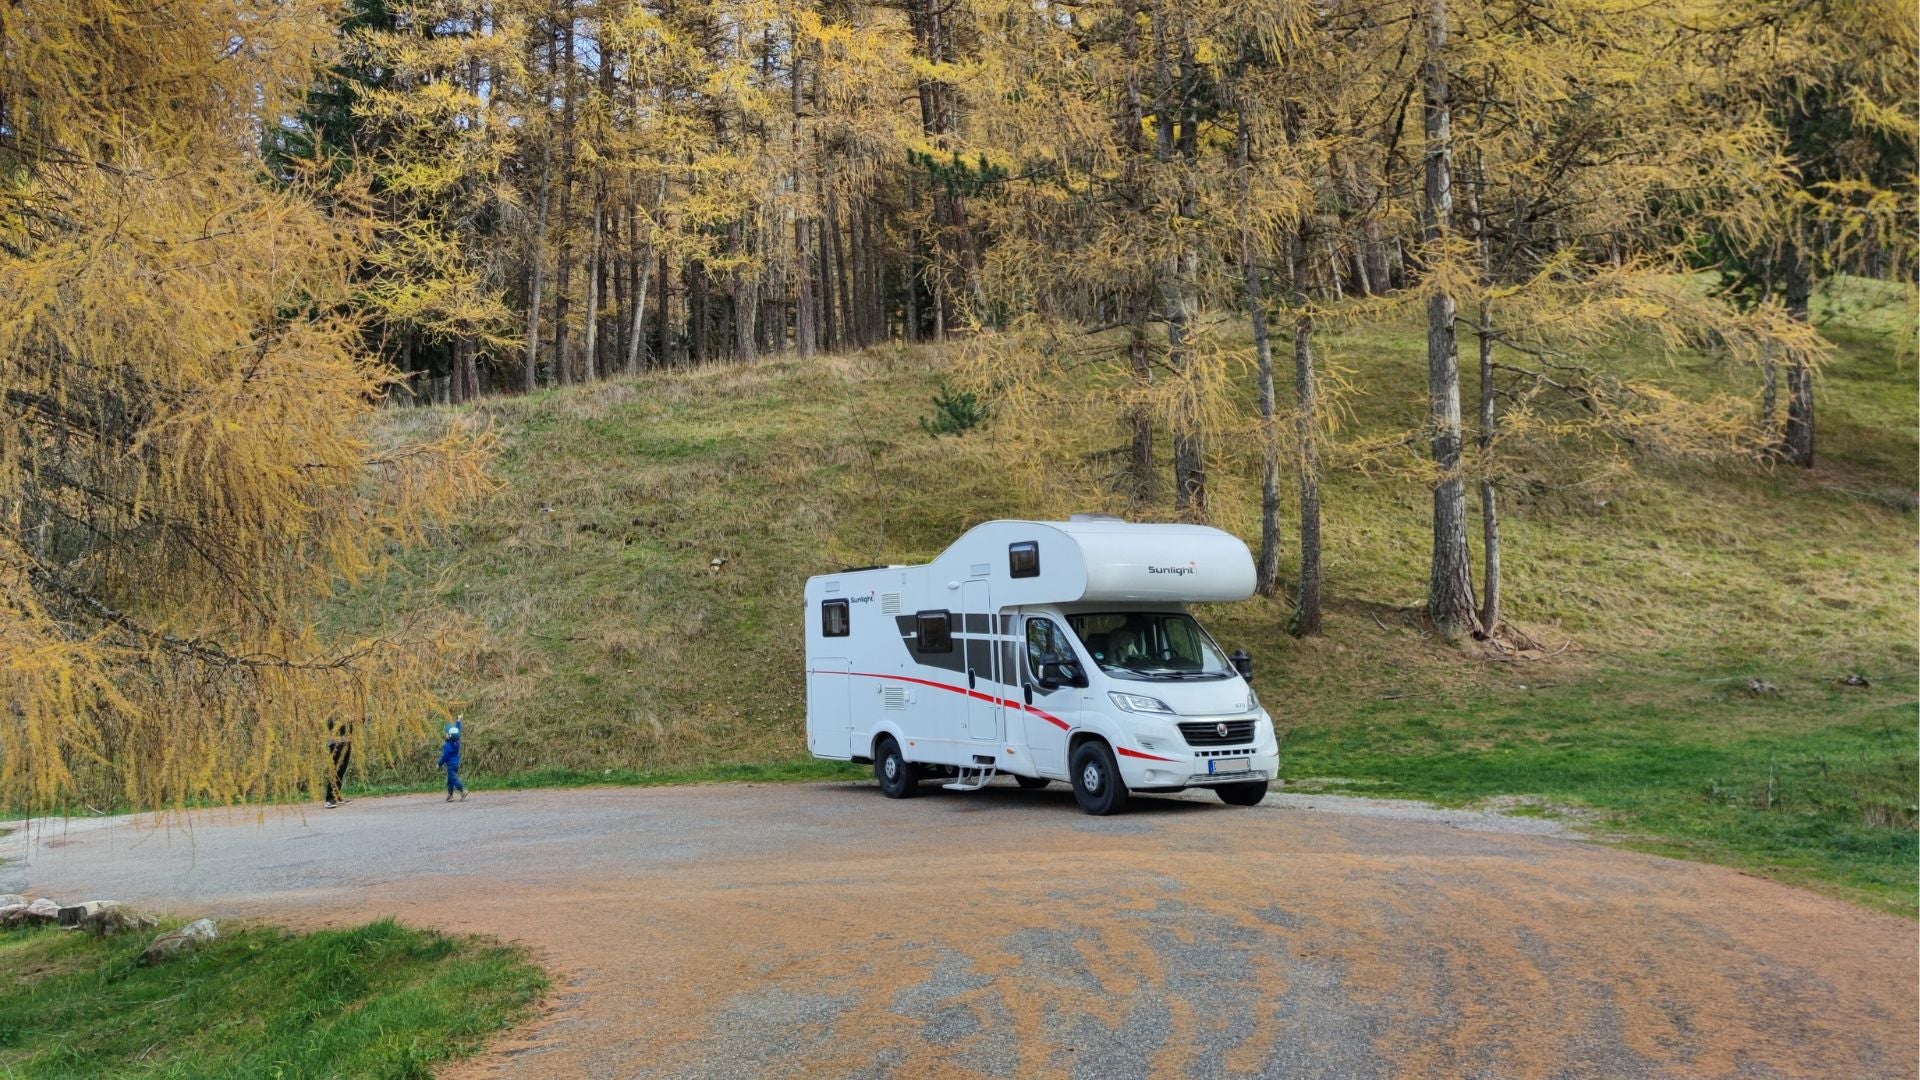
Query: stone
point(175, 941)
point(102, 918)
point(75, 914)
point(8, 900)
point(115, 920)
point(38, 912)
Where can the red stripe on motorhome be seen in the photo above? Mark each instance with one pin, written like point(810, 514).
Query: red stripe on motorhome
point(1008, 702)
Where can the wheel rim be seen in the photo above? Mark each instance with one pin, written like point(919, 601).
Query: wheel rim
point(1090, 778)
point(892, 767)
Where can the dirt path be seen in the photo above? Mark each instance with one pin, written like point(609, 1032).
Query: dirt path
point(820, 929)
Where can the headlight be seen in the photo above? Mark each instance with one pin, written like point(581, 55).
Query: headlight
point(1140, 703)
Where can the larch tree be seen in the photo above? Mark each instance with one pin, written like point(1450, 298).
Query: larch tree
point(184, 467)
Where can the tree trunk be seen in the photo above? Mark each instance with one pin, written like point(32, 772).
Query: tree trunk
point(1306, 392)
point(802, 285)
point(1798, 443)
point(1489, 503)
point(1179, 295)
point(743, 294)
point(663, 353)
point(1378, 275)
point(697, 317)
point(536, 266)
point(829, 315)
point(839, 283)
point(1450, 584)
point(593, 294)
point(1267, 567)
point(562, 364)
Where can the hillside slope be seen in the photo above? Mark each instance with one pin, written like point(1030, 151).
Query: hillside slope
point(634, 590)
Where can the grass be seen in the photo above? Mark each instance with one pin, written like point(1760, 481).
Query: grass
point(380, 1001)
point(1814, 786)
point(634, 593)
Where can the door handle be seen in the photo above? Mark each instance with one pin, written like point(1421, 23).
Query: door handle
point(1029, 689)
point(969, 678)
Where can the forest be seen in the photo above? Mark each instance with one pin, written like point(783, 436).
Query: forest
point(231, 232)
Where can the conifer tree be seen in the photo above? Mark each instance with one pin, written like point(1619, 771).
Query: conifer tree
point(183, 397)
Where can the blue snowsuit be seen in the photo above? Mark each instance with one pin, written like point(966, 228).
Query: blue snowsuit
point(450, 761)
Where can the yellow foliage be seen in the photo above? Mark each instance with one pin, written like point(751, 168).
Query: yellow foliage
point(183, 404)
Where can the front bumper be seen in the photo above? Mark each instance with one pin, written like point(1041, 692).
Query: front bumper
point(1158, 769)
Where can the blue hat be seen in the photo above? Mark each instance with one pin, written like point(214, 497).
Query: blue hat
point(453, 730)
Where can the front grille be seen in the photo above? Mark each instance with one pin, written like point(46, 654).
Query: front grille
point(1207, 732)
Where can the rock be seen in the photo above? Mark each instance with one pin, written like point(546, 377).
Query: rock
point(1853, 679)
point(175, 941)
point(102, 918)
point(75, 914)
point(114, 920)
point(8, 900)
point(1762, 688)
point(38, 912)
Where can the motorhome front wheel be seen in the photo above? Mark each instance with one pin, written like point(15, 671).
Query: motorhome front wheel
point(1096, 780)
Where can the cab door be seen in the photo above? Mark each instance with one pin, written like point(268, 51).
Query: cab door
point(982, 662)
point(1050, 713)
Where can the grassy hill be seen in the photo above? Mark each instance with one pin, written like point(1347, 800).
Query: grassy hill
point(634, 592)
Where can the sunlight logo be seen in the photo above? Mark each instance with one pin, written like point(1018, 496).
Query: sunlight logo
point(867, 599)
point(1176, 571)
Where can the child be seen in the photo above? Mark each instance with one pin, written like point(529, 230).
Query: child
point(450, 761)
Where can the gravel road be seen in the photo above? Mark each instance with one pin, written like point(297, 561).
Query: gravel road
point(731, 931)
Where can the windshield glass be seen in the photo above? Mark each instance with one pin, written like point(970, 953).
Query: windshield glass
point(1150, 645)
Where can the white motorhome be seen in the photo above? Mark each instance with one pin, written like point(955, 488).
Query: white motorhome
point(1045, 651)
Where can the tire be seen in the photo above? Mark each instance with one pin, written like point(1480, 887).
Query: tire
point(899, 778)
point(1032, 783)
point(1096, 779)
point(1247, 794)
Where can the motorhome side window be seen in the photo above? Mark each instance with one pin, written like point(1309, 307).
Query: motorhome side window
point(833, 618)
point(1023, 559)
point(934, 631)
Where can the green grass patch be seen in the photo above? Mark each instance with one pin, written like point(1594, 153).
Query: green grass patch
point(381, 1001)
point(1814, 786)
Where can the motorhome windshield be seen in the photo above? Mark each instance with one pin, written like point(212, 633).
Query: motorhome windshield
point(1150, 645)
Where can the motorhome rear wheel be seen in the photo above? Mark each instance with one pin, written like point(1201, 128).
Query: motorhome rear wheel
point(898, 777)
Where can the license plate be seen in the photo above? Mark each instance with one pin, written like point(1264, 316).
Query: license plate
point(1228, 765)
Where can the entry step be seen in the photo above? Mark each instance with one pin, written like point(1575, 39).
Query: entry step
point(972, 778)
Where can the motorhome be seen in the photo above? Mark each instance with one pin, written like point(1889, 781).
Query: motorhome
point(1045, 651)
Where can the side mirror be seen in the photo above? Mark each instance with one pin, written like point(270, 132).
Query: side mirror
point(1242, 663)
point(1055, 674)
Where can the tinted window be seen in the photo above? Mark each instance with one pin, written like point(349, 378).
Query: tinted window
point(833, 618)
point(1046, 644)
point(934, 631)
point(1023, 559)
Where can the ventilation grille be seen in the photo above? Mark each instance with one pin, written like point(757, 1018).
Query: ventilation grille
point(889, 603)
point(893, 697)
point(1209, 733)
